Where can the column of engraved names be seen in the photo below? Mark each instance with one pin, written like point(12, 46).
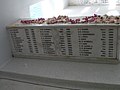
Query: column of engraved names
point(34, 41)
point(47, 41)
point(85, 44)
point(111, 42)
point(104, 42)
point(62, 41)
point(17, 41)
point(68, 34)
point(29, 40)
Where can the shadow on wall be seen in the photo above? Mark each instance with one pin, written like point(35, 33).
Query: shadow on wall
point(41, 9)
point(47, 8)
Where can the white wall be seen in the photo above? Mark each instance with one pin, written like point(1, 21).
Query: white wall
point(48, 8)
point(59, 5)
point(74, 11)
point(10, 11)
